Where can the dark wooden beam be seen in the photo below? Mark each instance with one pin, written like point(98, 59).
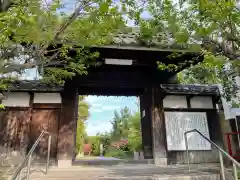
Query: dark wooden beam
point(149, 56)
point(146, 125)
point(114, 76)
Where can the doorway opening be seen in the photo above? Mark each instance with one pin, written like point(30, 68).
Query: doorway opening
point(108, 129)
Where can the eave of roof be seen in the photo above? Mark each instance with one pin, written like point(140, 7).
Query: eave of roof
point(34, 85)
point(190, 89)
point(183, 89)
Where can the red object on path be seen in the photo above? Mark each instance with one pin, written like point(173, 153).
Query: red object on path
point(87, 149)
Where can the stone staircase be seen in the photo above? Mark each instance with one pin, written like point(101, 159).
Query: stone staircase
point(127, 172)
point(8, 165)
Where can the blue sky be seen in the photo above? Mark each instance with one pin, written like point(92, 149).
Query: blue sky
point(102, 108)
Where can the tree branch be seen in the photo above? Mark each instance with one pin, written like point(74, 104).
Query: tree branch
point(66, 24)
point(33, 54)
point(220, 48)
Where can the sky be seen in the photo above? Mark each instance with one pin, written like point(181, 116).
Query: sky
point(69, 6)
point(102, 109)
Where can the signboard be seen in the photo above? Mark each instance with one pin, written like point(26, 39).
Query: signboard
point(179, 122)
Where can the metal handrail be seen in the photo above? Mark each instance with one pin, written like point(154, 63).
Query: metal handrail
point(220, 150)
point(29, 157)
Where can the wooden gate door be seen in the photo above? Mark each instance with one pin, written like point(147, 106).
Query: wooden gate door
point(14, 129)
point(48, 119)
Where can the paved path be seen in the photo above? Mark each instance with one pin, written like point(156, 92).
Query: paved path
point(97, 160)
point(107, 158)
point(130, 172)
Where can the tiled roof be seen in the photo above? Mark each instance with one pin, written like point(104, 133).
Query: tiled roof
point(131, 37)
point(34, 86)
point(127, 38)
point(168, 88)
point(190, 89)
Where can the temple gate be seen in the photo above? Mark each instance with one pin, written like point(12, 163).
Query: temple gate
point(126, 71)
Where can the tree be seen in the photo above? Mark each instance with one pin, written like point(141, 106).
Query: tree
point(120, 124)
point(116, 126)
point(95, 142)
point(83, 114)
point(105, 140)
point(127, 126)
point(134, 132)
point(41, 35)
point(209, 27)
point(125, 114)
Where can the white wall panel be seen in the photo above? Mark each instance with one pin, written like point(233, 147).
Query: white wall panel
point(204, 102)
point(175, 102)
point(17, 99)
point(177, 123)
point(47, 98)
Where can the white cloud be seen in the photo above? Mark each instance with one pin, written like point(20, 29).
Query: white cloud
point(91, 99)
point(92, 110)
point(96, 105)
point(109, 108)
point(94, 128)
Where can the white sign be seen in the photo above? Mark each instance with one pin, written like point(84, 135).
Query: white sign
point(179, 122)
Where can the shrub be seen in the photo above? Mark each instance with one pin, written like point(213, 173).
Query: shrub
point(117, 153)
point(120, 145)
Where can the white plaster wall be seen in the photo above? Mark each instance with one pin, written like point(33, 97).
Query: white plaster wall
point(47, 98)
point(203, 102)
point(175, 102)
point(17, 99)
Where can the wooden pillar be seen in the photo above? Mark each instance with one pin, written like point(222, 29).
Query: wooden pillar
point(158, 128)
point(66, 132)
point(146, 125)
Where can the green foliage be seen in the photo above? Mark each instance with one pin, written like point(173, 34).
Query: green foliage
point(117, 153)
point(120, 124)
point(209, 27)
point(83, 109)
point(95, 141)
point(29, 28)
point(134, 132)
point(105, 140)
point(127, 126)
point(124, 139)
point(81, 134)
point(2, 106)
point(83, 114)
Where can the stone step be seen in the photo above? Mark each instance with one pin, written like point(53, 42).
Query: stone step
point(128, 172)
point(201, 177)
point(7, 171)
